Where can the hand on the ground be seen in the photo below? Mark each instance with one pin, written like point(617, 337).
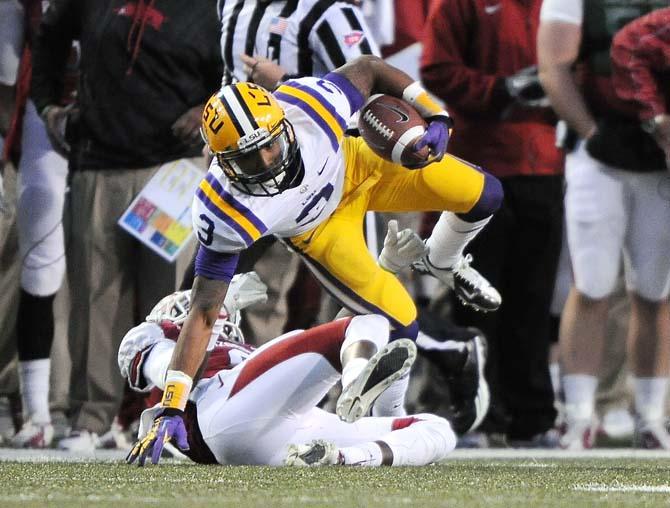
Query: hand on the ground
point(168, 425)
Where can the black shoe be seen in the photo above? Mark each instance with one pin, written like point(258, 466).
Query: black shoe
point(463, 369)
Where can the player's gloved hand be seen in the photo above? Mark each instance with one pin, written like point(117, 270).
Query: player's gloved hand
point(435, 138)
point(525, 88)
point(168, 425)
point(401, 249)
point(244, 290)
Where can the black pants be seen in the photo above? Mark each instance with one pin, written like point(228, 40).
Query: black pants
point(518, 253)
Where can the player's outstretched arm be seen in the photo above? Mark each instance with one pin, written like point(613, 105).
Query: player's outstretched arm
point(206, 300)
point(372, 75)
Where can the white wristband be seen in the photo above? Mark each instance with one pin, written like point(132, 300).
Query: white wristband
point(417, 96)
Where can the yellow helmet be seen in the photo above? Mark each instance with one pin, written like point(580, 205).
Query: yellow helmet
point(247, 131)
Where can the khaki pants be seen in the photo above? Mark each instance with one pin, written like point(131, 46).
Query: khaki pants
point(114, 282)
point(10, 270)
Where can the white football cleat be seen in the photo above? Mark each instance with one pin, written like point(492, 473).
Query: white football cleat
point(115, 438)
point(389, 364)
point(651, 435)
point(316, 453)
point(33, 435)
point(579, 434)
point(80, 441)
point(470, 286)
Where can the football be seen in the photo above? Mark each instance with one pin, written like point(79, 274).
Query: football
point(390, 126)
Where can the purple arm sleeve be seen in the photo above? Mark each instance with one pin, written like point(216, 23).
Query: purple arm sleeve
point(353, 94)
point(215, 265)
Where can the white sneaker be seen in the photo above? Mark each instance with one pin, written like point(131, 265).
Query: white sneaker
point(387, 365)
point(470, 286)
point(651, 435)
point(33, 435)
point(316, 453)
point(114, 438)
point(579, 434)
point(80, 441)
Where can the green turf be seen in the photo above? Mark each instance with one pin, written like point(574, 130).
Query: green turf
point(461, 483)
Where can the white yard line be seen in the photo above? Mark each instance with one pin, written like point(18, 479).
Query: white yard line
point(535, 454)
point(647, 489)
point(528, 455)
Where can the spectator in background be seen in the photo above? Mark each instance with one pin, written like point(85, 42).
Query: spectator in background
point(11, 30)
point(11, 37)
point(617, 207)
point(41, 195)
point(409, 20)
point(479, 58)
point(641, 72)
point(147, 68)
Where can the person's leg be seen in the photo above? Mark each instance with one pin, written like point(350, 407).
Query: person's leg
point(279, 383)
point(100, 260)
point(42, 179)
point(416, 440)
point(490, 250)
point(466, 195)
point(532, 256)
point(10, 269)
point(596, 221)
point(648, 281)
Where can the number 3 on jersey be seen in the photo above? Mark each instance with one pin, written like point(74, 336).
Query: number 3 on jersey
point(206, 233)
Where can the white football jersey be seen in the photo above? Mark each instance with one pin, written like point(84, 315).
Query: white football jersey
point(228, 220)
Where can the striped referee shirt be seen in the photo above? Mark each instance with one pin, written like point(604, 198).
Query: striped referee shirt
point(305, 37)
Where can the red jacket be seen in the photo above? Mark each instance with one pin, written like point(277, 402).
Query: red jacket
point(641, 63)
point(470, 46)
point(409, 21)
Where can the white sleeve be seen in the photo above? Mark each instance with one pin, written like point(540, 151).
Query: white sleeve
point(11, 40)
point(341, 35)
point(567, 11)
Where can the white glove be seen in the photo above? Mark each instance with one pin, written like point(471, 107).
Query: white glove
point(244, 290)
point(401, 249)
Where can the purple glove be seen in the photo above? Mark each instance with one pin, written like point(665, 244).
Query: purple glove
point(435, 138)
point(169, 425)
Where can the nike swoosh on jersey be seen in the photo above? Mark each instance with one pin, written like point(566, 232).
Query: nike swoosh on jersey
point(492, 9)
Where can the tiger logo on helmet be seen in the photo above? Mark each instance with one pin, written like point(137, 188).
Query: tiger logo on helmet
point(247, 131)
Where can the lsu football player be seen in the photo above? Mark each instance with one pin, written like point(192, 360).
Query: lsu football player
point(282, 166)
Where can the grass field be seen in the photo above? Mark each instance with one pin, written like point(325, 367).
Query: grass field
point(506, 482)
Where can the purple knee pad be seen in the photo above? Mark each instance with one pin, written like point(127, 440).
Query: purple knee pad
point(489, 202)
